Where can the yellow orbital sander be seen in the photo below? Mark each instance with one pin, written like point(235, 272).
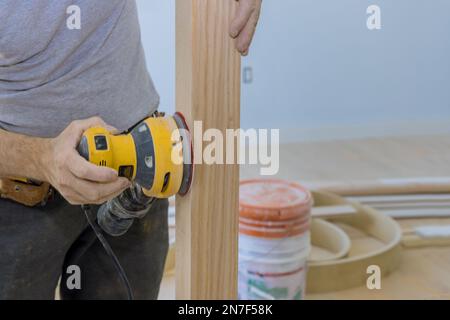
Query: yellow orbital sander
point(156, 155)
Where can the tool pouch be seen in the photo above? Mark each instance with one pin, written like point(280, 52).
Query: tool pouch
point(28, 194)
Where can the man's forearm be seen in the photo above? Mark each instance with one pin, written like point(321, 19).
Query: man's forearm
point(22, 156)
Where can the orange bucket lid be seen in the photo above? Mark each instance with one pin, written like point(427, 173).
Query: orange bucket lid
point(273, 200)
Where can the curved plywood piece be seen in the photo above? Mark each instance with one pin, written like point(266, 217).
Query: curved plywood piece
point(328, 242)
point(376, 241)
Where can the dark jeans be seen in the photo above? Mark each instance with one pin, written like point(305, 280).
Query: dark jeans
point(38, 244)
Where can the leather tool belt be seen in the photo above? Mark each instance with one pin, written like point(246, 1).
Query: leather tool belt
point(26, 192)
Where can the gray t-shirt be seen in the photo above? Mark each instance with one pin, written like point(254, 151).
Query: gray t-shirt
point(51, 75)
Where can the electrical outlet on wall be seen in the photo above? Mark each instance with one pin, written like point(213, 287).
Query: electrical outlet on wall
point(247, 75)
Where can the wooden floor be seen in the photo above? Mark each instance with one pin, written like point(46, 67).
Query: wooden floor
point(423, 273)
point(363, 159)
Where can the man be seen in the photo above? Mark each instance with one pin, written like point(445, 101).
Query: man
point(52, 77)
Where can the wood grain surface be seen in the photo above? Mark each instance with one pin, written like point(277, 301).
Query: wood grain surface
point(207, 90)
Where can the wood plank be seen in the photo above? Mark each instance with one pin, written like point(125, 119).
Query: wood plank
point(418, 213)
point(410, 205)
point(385, 186)
point(325, 212)
point(415, 241)
point(415, 198)
point(207, 90)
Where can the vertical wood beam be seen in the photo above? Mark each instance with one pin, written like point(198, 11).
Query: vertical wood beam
point(207, 90)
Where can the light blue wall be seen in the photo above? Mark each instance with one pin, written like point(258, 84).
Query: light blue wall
point(316, 65)
point(157, 18)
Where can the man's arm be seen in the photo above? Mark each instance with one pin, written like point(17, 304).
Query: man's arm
point(57, 161)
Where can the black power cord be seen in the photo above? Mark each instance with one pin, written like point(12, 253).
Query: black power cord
point(121, 272)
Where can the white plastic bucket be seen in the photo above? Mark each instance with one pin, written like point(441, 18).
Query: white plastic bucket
point(274, 240)
point(273, 269)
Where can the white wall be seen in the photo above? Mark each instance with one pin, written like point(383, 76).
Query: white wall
point(157, 18)
point(320, 73)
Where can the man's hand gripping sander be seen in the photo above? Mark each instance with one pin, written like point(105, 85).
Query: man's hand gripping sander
point(156, 155)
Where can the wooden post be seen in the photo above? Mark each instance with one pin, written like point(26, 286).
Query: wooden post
point(207, 90)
